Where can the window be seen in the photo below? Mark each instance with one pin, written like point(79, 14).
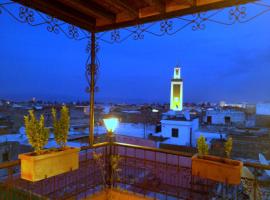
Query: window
point(227, 120)
point(5, 157)
point(209, 119)
point(174, 132)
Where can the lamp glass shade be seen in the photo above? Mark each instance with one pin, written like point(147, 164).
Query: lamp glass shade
point(111, 124)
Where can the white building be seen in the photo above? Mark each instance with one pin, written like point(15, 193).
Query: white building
point(224, 117)
point(179, 130)
point(177, 125)
point(180, 126)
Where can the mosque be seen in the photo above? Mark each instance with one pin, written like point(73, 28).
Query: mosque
point(179, 125)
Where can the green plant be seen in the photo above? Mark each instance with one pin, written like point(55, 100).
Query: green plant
point(202, 146)
point(228, 147)
point(114, 166)
point(36, 132)
point(61, 126)
point(115, 159)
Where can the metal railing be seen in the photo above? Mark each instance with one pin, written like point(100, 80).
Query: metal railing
point(157, 173)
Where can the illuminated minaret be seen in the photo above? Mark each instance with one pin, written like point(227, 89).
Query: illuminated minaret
point(176, 91)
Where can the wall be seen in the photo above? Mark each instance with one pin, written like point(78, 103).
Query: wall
point(183, 131)
point(218, 117)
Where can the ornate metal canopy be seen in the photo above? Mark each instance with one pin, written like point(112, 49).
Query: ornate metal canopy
point(103, 15)
point(214, 11)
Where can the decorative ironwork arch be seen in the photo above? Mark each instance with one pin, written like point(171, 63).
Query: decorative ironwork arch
point(236, 14)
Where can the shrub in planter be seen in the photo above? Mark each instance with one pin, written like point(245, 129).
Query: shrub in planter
point(36, 132)
point(47, 163)
point(216, 168)
point(61, 126)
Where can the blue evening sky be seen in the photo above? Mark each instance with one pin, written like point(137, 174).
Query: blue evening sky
point(230, 63)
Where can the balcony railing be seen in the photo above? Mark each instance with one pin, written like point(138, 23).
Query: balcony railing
point(152, 172)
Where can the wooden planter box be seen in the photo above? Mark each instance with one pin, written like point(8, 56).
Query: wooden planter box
point(218, 169)
point(38, 167)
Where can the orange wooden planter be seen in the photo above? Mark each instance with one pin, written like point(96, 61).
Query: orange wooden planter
point(218, 169)
point(38, 167)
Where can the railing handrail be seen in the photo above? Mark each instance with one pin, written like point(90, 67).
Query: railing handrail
point(97, 145)
point(13, 163)
point(178, 153)
point(8, 164)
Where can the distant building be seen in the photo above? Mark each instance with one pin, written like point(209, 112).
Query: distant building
point(222, 104)
point(177, 125)
point(182, 126)
point(224, 117)
point(233, 105)
point(263, 114)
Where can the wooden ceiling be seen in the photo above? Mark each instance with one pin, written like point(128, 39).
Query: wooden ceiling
point(104, 15)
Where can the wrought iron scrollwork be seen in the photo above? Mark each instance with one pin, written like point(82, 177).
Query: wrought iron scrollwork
point(139, 32)
point(199, 21)
point(237, 13)
point(73, 31)
point(88, 66)
point(166, 26)
point(53, 25)
point(115, 35)
point(36, 18)
point(26, 15)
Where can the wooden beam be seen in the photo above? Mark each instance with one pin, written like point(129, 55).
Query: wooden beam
point(133, 11)
point(162, 6)
point(90, 8)
point(52, 8)
point(218, 4)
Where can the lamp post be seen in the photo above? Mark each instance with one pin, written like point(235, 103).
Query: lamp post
point(110, 123)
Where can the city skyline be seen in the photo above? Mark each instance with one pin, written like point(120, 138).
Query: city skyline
point(229, 63)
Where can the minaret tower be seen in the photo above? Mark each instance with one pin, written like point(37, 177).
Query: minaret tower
point(176, 103)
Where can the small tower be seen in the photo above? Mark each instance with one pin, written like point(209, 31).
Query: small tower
point(176, 102)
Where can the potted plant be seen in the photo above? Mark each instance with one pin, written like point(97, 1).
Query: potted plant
point(110, 190)
point(216, 168)
point(44, 163)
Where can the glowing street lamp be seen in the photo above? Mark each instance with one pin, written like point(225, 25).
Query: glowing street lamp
point(111, 124)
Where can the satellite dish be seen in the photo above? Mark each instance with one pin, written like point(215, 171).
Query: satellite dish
point(264, 162)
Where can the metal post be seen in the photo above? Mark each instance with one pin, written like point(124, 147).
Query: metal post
point(110, 170)
point(92, 89)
